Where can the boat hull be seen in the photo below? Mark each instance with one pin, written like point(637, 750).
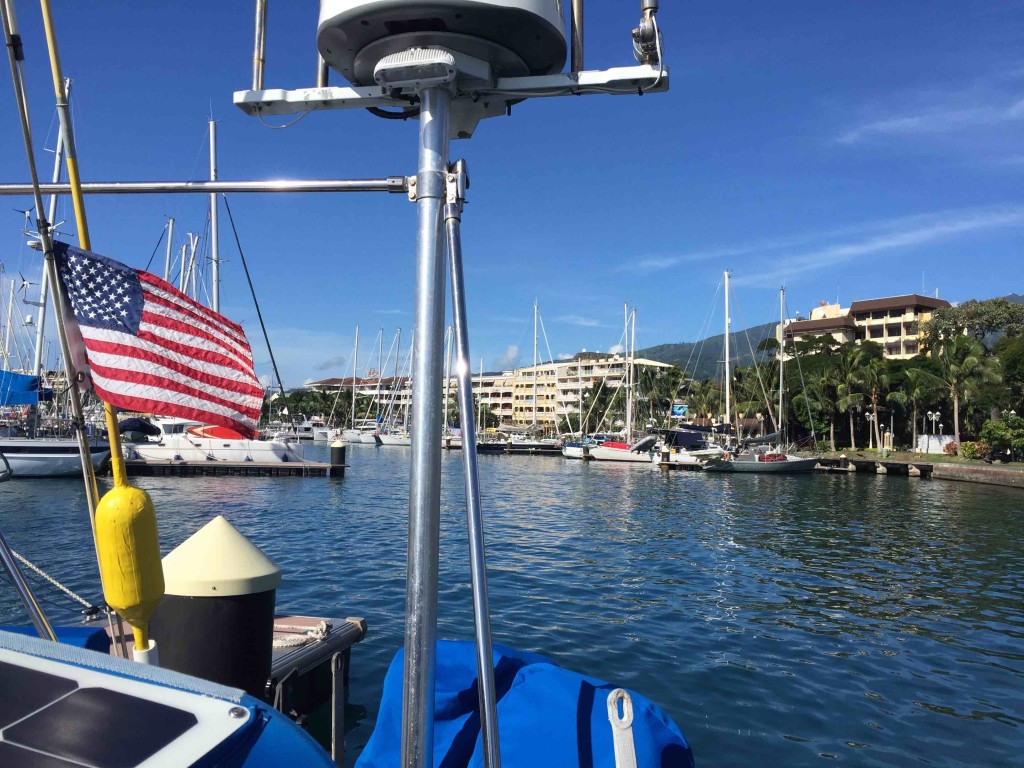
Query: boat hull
point(182, 448)
point(610, 453)
point(791, 465)
point(48, 457)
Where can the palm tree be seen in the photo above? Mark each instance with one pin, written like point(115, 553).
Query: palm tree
point(964, 367)
point(920, 387)
point(875, 380)
point(847, 386)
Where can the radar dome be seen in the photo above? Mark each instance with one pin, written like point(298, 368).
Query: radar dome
point(516, 37)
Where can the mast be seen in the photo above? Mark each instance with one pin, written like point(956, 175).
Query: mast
point(632, 376)
point(7, 331)
point(480, 400)
point(535, 368)
point(380, 367)
point(44, 282)
point(355, 362)
point(449, 349)
point(167, 256)
point(728, 383)
point(782, 355)
point(214, 228)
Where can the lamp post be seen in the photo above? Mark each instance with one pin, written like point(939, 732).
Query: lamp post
point(933, 416)
point(760, 424)
point(869, 418)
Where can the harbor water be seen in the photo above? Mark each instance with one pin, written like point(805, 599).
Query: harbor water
point(780, 620)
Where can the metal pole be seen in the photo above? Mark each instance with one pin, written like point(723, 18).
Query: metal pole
point(474, 515)
point(782, 357)
point(425, 473)
point(397, 184)
point(44, 282)
point(24, 592)
point(167, 256)
point(535, 310)
point(322, 72)
point(259, 45)
point(728, 383)
point(214, 228)
point(577, 36)
point(7, 329)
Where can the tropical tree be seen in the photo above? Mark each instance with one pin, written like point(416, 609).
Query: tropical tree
point(919, 387)
point(964, 368)
point(849, 397)
point(819, 397)
point(659, 387)
point(875, 382)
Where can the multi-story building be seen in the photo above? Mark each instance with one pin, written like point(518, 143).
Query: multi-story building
point(541, 395)
point(895, 323)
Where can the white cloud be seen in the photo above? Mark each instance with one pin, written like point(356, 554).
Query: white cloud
point(508, 359)
point(616, 349)
point(914, 231)
point(584, 322)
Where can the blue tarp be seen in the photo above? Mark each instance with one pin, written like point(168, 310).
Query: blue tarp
point(548, 717)
point(18, 389)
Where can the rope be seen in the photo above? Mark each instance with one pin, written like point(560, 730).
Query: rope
point(252, 290)
point(40, 572)
point(316, 633)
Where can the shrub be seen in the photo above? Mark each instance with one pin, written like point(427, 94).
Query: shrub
point(950, 448)
point(974, 450)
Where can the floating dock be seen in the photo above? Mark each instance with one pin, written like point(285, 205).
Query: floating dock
point(170, 468)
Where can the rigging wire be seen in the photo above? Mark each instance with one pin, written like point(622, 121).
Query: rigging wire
point(252, 290)
point(155, 247)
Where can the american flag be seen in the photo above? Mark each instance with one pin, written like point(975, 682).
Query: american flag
point(150, 348)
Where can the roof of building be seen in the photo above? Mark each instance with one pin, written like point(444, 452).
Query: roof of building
point(799, 327)
point(896, 302)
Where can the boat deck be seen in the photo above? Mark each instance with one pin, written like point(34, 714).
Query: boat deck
point(309, 667)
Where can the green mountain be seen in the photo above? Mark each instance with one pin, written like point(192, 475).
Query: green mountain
point(703, 359)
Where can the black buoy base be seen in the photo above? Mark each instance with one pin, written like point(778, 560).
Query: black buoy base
point(226, 640)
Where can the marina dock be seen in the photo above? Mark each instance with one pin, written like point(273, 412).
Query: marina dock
point(137, 468)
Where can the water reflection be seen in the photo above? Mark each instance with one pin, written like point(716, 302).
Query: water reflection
point(780, 620)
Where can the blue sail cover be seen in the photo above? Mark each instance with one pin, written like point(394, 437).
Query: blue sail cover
point(18, 389)
point(548, 717)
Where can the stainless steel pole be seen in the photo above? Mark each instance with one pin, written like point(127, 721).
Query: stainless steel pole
point(259, 45)
point(44, 287)
point(425, 474)
point(170, 241)
point(474, 516)
point(397, 184)
point(24, 592)
point(214, 225)
point(577, 35)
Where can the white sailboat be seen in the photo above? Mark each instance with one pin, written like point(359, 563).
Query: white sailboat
point(757, 455)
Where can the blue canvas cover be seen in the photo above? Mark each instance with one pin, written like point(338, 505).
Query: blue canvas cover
point(18, 389)
point(548, 717)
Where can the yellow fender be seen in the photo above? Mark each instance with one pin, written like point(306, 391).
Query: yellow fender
point(129, 557)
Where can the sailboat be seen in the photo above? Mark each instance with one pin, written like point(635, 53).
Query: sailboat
point(758, 454)
point(632, 451)
point(530, 442)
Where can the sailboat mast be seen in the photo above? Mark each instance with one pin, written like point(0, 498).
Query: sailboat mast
point(214, 227)
point(534, 367)
point(782, 354)
point(355, 362)
point(7, 332)
point(448, 343)
point(479, 398)
point(44, 287)
point(728, 383)
point(630, 347)
point(380, 366)
point(170, 247)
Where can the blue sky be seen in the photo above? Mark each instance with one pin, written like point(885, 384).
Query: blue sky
point(847, 150)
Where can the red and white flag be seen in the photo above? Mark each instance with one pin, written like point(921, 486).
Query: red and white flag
point(150, 348)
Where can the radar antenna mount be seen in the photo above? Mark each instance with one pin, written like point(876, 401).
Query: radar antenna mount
point(450, 63)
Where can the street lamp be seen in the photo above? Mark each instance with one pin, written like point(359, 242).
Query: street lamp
point(933, 416)
point(869, 418)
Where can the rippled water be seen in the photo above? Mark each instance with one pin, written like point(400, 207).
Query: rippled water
point(779, 620)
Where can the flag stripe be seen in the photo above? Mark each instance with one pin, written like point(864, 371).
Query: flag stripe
point(180, 392)
point(112, 357)
point(158, 403)
point(171, 316)
point(157, 331)
point(112, 342)
point(160, 286)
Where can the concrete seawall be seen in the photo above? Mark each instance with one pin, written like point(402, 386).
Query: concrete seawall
point(972, 474)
